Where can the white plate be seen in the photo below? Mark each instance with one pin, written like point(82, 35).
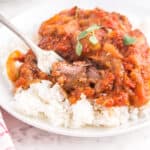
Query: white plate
point(29, 23)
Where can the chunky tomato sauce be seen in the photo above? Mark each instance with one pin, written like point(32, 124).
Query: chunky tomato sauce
point(106, 59)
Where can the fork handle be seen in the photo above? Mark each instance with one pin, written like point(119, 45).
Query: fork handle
point(10, 26)
point(24, 38)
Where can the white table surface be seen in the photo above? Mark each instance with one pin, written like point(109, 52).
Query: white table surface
point(26, 137)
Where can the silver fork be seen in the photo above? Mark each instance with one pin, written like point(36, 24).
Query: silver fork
point(43, 57)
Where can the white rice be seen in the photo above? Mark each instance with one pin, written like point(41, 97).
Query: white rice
point(44, 101)
point(82, 113)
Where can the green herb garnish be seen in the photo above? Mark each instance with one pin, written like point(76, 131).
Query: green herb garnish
point(93, 27)
point(83, 34)
point(93, 39)
point(128, 40)
point(79, 48)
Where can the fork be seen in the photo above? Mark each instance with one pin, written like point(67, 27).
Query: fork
point(43, 57)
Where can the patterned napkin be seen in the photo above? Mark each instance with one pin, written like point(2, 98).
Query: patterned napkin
point(5, 140)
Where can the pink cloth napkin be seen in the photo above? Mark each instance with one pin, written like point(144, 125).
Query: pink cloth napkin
point(5, 140)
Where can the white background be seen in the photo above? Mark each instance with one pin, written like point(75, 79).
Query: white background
point(30, 138)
